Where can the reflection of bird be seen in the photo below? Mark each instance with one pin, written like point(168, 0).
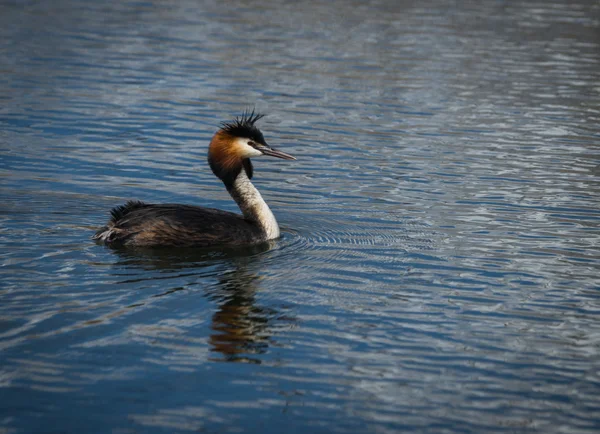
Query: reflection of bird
point(241, 327)
point(146, 225)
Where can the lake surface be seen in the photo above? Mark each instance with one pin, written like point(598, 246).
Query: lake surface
point(438, 270)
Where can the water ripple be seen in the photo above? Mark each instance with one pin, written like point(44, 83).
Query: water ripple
point(439, 259)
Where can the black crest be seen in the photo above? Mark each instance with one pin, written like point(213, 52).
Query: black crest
point(243, 126)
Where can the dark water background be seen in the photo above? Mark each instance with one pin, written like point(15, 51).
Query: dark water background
point(439, 265)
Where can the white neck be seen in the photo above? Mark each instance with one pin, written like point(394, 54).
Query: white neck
point(253, 206)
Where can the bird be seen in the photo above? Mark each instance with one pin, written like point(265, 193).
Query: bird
point(139, 224)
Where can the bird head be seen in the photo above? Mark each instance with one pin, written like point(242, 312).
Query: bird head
point(235, 143)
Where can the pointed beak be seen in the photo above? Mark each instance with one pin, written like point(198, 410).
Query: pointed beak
point(275, 153)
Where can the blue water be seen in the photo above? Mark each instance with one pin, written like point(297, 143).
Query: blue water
point(438, 270)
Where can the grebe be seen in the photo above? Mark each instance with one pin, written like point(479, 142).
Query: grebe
point(138, 224)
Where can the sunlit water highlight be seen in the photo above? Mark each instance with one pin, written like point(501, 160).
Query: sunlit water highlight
point(441, 227)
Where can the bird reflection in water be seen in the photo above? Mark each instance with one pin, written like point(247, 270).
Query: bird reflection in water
point(240, 328)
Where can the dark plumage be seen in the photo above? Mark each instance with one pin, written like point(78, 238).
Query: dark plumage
point(243, 126)
point(118, 212)
point(174, 225)
point(139, 224)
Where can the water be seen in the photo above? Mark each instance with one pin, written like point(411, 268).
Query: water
point(438, 270)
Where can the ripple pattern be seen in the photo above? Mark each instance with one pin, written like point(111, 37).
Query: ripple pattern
point(438, 270)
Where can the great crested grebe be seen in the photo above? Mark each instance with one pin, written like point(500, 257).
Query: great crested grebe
point(139, 224)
